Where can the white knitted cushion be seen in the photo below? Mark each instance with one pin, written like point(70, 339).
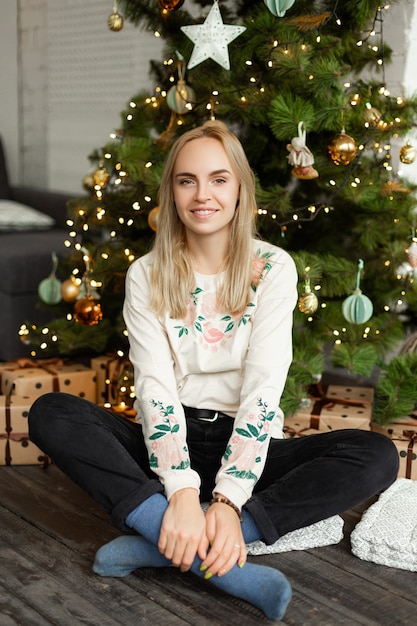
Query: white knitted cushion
point(387, 532)
point(324, 533)
point(15, 216)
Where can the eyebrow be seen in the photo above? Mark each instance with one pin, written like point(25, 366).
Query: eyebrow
point(214, 173)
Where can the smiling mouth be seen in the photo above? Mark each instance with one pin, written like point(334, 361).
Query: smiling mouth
point(203, 212)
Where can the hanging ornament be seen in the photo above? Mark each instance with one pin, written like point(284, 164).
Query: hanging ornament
point(393, 186)
point(153, 218)
point(308, 301)
point(100, 177)
point(372, 116)
point(115, 20)
point(88, 311)
point(211, 39)
point(300, 156)
point(70, 289)
point(170, 5)
point(88, 182)
point(407, 154)
point(342, 149)
point(180, 98)
point(279, 7)
point(412, 254)
point(49, 289)
point(357, 308)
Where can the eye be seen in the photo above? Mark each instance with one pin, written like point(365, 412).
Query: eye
point(219, 181)
point(186, 181)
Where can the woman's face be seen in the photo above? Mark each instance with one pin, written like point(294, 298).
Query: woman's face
point(206, 189)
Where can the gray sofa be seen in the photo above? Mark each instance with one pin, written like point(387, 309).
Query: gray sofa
point(25, 260)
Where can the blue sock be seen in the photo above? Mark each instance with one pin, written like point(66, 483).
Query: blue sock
point(264, 587)
point(124, 554)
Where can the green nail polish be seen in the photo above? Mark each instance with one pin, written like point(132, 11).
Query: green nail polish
point(241, 564)
point(208, 576)
point(203, 568)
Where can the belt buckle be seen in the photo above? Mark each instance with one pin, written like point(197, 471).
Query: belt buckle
point(210, 419)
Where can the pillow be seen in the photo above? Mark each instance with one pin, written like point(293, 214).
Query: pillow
point(15, 216)
point(387, 532)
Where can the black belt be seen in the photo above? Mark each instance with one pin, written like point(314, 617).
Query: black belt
point(205, 415)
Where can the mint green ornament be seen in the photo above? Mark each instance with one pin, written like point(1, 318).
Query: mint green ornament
point(279, 7)
point(49, 289)
point(357, 308)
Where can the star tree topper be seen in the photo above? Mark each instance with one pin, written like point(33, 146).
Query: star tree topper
point(211, 39)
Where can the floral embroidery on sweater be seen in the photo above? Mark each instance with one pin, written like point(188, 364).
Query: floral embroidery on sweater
point(244, 457)
point(217, 331)
point(172, 452)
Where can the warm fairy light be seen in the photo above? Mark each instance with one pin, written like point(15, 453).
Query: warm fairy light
point(67, 243)
point(121, 220)
point(252, 79)
point(130, 222)
point(85, 227)
point(129, 117)
point(148, 164)
point(295, 217)
point(332, 182)
point(336, 332)
point(156, 34)
point(113, 233)
point(312, 209)
point(77, 246)
point(275, 43)
point(248, 62)
point(70, 222)
point(73, 233)
point(132, 104)
point(148, 198)
point(359, 43)
point(311, 77)
point(270, 64)
point(318, 38)
point(104, 255)
point(136, 206)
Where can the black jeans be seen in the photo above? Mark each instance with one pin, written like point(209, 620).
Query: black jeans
point(304, 480)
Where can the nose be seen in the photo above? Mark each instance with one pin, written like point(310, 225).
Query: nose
point(202, 193)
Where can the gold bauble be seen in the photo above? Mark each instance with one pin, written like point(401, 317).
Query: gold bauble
point(100, 177)
point(372, 116)
point(342, 149)
point(115, 22)
point(87, 311)
point(308, 302)
point(88, 182)
point(70, 290)
point(407, 154)
point(170, 5)
point(153, 218)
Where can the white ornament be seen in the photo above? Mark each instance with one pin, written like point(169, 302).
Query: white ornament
point(211, 39)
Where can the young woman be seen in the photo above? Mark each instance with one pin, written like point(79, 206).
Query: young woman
point(209, 317)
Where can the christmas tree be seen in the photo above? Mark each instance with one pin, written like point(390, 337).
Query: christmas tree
point(303, 86)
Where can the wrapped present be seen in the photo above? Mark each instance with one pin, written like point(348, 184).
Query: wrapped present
point(15, 446)
point(14, 411)
point(43, 377)
point(407, 451)
point(114, 375)
point(19, 450)
point(396, 428)
point(341, 407)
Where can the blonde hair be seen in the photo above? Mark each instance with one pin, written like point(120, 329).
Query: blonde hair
point(172, 274)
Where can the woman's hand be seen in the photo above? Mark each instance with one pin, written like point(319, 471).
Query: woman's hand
point(224, 532)
point(183, 530)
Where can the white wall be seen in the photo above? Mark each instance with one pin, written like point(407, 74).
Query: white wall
point(66, 77)
point(9, 78)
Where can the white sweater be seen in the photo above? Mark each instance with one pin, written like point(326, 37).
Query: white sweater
point(213, 360)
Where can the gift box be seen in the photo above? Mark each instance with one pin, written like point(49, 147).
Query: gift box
point(407, 452)
point(114, 376)
point(17, 449)
point(15, 446)
point(341, 407)
point(72, 378)
point(14, 411)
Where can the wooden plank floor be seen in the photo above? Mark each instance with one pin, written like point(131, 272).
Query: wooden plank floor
point(50, 531)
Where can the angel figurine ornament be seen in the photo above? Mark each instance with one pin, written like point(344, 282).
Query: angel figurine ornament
point(300, 156)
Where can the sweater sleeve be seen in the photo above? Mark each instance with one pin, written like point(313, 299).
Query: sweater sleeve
point(158, 405)
point(268, 359)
